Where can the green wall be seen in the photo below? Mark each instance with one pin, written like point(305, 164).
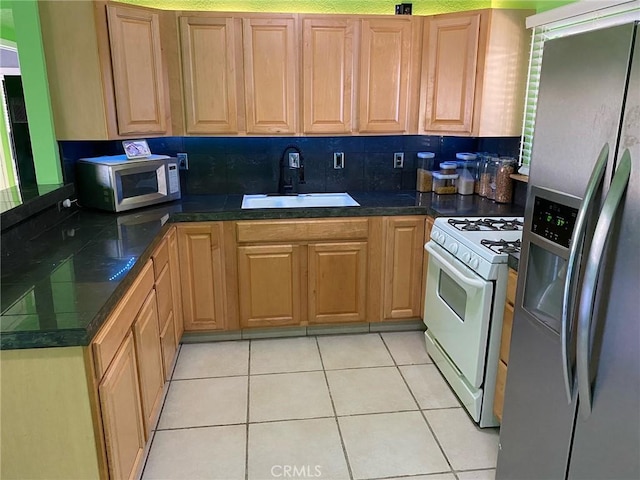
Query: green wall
point(33, 69)
point(420, 7)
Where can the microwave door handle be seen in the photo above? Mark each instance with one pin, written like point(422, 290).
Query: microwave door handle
point(453, 270)
point(592, 271)
point(573, 267)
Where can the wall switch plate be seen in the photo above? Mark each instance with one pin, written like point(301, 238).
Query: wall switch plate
point(294, 160)
point(183, 161)
point(338, 160)
point(398, 160)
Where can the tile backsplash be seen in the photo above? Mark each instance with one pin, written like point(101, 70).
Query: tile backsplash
point(219, 165)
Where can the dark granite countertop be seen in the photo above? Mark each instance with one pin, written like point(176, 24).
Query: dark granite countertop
point(61, 286)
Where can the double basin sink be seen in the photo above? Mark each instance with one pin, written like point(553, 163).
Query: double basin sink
point(303, 200)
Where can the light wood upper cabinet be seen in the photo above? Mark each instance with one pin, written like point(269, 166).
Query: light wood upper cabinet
point(403, 272)
point(388, 74)
point(269, 285)
point(474, 73)
point(449, 72)
point(142, 98)
point(337, 282)
point(202, 276)
point(209, 71)
point(328, 60)
point(271, 73)
point(122, 415)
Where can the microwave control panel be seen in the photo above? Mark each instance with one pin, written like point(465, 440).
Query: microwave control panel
point(174, 178)
point(553, 221)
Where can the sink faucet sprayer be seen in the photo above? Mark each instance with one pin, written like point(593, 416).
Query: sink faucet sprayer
point(287, 181)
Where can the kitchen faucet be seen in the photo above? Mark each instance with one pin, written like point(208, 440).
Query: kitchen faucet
point(291, 173)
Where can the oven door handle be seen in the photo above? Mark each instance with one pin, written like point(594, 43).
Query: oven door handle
point(573, 269)
point(469, 283)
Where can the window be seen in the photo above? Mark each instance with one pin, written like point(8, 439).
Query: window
point(561, 22)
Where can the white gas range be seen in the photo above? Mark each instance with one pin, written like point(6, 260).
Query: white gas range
point(465, 296)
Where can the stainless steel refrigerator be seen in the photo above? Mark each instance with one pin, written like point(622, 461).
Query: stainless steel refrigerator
point(572, 400)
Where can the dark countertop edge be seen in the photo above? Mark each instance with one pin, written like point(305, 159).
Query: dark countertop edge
point(32, 207)
point(83, 337)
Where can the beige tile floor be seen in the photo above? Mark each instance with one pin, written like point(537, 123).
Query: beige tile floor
point(361, 406)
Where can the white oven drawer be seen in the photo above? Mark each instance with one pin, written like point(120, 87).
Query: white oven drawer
point(457, 312)
point(470, 397)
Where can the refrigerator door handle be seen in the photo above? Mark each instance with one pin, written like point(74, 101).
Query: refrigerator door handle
point(573, 267)
point(592, 271)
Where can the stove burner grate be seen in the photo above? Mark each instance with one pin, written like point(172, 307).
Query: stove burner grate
point(485, 224)
point(502, 246)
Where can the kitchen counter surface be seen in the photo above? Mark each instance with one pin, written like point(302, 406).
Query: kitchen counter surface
point(61, 286)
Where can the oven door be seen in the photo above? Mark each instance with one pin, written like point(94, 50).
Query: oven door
point(457, 312)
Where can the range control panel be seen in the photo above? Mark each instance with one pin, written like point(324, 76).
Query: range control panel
point(553, 221)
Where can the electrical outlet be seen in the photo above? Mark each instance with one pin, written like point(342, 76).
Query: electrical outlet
point(183, 161)
point(294, 160)
point(398, 160)
point(338, 160)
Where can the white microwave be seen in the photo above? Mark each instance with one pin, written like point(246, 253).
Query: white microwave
point(116, 184)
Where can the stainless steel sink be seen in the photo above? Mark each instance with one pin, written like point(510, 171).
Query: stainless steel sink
point(304, 200)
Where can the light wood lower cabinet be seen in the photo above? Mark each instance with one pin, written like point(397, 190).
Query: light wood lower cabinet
point(505, 343)
point(337, 282)
point(149, 354)
point(202, 276)
point(403, 271)
point(174, 264)
point(428, 225)
point(169, 346)
point(269, 281)
point(122, 415)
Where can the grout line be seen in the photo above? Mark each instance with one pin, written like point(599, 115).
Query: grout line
point(335, 413)
point(209, 378)
point(246, 440)
point(433, 433)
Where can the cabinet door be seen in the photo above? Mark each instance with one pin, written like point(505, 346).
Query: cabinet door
point(337, 282)
point(168, 343)
point(328, 59)
point(149, 355)
point(449, 73)
point(428, 225)
point(122, 413)
point(269, 281)
point(202, 276)
point(138, 73)
point(385, 74)
point(403, 267)
point(271, 70)
point(174, 265)
point(209, 72)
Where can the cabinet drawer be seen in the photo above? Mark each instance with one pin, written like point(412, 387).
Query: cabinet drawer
point(113, 332)
point(512, 283)
point(498, 399)
point(301, 231)
point(160, 257)
point(164, 295)
point(505, 341)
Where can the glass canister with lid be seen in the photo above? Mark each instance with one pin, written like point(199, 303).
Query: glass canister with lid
point(503, 181)
point(444, 184)
point(424, 180)
point(488, 177)
point(467, 162)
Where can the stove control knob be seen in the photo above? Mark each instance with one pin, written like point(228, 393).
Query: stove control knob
point(453, 248)
point(466, 256)
point(439, 237)
point(474, 262)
